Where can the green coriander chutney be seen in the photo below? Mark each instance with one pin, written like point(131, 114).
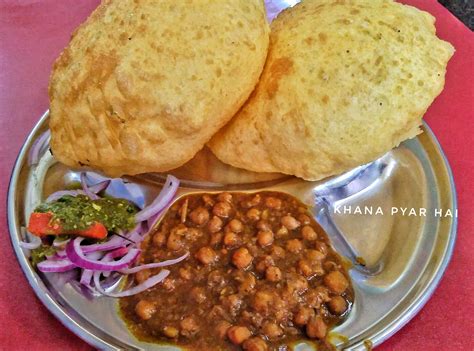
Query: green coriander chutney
point(80, 212)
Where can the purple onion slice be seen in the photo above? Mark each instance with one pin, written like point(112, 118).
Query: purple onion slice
point(114, 243)
point(97, 188)
point(86, 189)
point(162, 200)
point(57, 266)
point(154, 265)
point(76, 256)
point(147, 284)
point(31, 245)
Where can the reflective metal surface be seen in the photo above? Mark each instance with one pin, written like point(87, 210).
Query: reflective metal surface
point(398, 258)
point(403, 256)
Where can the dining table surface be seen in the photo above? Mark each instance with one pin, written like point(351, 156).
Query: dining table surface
point(32, 35)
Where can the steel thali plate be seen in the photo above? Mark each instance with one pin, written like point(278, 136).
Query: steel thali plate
point(366, 213)
point(392, 213)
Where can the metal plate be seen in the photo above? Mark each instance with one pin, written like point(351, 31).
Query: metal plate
point(409, 253)
point(405, 255)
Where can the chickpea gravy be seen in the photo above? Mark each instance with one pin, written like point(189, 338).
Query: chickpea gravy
point(261, 275)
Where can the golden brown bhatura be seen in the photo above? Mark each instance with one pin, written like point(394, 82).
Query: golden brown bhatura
point(344, 82)
point(143, 85)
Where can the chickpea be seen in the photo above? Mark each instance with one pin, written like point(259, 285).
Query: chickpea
point(222, 209)
point(283, 231)
point(308, 233)
point(231, 239)
point(290, 222)
point(316, 328)
point(317, 296)
point(221, 328)
point(145, 309)
point(315, 255)
point(272, 330)
point(208, 201)
point(247, 284)
point(337, 305)
point(273, 274)
point(263, 225)
point(141, 276)
point(278, 252)
point(321, 247)
point(192, 234)
point(170, 332)
point(253, 214)
point(235, 226)
point(175, 241)
point(297, 283)
point(232, 302)
point(237, 334)
point(189, 326)
point(242, 258)
point(255, 344)
point(224, 197)
point(262, 301)
point(304, 219)
point(252, 202)
point(336, 282)
point(265, 238)
point(264, 263)
point(216, 280)
point(294, 245)
point(199, 216)
point(273, 202)
point(253, 249)
point(215, 224)
point(198, 294)
point(216, 239)
point(206, 255)
point(159, 239)
point(185, 273)
point(304, 267)
point(303, 316)
point(169, 284)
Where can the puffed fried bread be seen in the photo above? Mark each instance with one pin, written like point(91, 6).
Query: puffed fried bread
point(344, 82)
point(144, 84)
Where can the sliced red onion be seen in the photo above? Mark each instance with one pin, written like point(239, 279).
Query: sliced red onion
point(162, 200)
point(120, 252)
point(86, 277)
point(59, 243)
point(61, 254)
point(147, 284)
point(114, 243)
point(153, 220)
point(97, 188)
point(37, 147)
point(59, 194)
point(154, 265)
point(33, 244)
point(75, 254)
point(111, 280)
point(86, 189)
point(136, 237)
point(137, 234)
point(56, 266)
